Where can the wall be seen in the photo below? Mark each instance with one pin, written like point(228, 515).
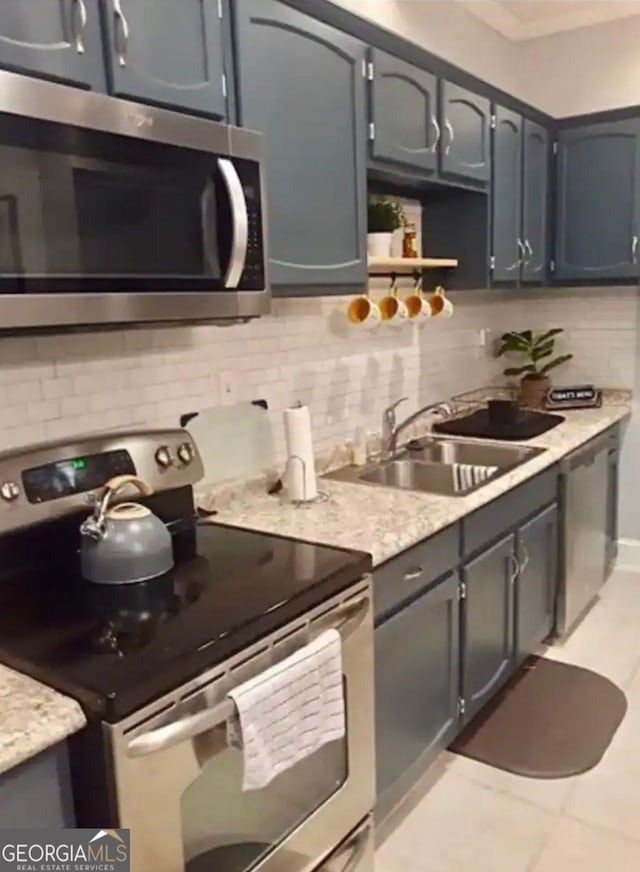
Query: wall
point(60, 386)
point(449, 31)
point(586, 70)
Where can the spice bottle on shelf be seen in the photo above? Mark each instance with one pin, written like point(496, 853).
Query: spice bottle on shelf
point(409, 240)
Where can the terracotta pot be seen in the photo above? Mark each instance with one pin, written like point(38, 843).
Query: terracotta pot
point(533, 391)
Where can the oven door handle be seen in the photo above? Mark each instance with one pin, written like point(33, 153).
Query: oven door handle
point(193, 725)
point(240, 222)
point(356, 845)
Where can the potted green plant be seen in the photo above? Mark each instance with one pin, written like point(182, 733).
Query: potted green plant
point(538, 349)
point(384, 217)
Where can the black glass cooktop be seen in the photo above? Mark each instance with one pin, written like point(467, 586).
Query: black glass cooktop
point(117, 648)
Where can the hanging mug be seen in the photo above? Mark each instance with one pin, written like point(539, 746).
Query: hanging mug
point(418, 307)
point(364, 312)
point(392, 308)
point(439, 303)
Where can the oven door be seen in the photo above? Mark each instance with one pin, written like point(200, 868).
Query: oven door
point(179, 786)
point(99, 225)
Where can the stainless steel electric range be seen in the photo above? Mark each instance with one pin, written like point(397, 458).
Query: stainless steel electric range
point(152, 662)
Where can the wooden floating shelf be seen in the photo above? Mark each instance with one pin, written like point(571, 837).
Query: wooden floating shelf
point(398, 264)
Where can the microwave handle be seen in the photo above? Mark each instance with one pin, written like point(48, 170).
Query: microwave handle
point(193, 725)
point(240, 222)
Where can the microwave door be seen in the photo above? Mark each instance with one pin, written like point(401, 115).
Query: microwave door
point(238, 239)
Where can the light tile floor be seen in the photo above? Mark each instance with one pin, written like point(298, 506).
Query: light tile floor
point(474, 818)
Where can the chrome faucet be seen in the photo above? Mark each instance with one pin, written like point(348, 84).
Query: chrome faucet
point(391, 430)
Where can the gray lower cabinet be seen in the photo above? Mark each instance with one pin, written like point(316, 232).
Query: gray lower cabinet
point(612, 500)
point(487, 623)
point(404, 113)
point(536, 582)
point(465, 121)
point(507, 246)
point(598, 198)
point(417, 663)
point(167, 53)
point(302, 83)
point(535, 201)
point(56, 39)
point(37, 794)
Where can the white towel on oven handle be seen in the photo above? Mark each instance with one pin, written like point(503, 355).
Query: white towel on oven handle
point(289, 711)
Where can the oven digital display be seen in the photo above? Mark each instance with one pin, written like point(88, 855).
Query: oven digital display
point(74, 475)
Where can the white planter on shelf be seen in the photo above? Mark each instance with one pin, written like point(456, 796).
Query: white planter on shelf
point(379, 244)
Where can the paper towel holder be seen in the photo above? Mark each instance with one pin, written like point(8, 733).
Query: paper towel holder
point(321, 496)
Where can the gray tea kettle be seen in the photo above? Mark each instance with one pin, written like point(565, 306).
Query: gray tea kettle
point(125, 543)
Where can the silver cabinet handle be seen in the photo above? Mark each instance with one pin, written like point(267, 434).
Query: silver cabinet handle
point(634, 249)
point(79, 24)
point(240, 220)
point(193, 725)
point(522, 251)
point(412, 574)
point(515, 569)
point(525, 562)
point(529, 250)
point(121, 33)
point(436, 127)
point(356, 846)
point(449, 127)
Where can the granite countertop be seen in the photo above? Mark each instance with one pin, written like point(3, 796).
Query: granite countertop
point(385, 521)
point(379, 520)
point(33, 717)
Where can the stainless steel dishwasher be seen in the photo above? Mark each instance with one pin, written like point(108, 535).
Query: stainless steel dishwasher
point(583, 536)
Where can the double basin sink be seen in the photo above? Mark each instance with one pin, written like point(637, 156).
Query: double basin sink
point(434, 465)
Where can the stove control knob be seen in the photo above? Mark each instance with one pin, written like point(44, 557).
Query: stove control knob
point(163, 456)
point(186, 453)
point(9, 491)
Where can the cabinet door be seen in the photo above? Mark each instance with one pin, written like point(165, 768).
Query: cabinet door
point(167, 53)
point(535, 205)
point(464, 145)
point(37, 794)
point(57, 39)
point(507, 195)
point(597, 205)
point(404, 113)
point(487, 623)
point(302, 83)
point(536, 584)
point(416, 683)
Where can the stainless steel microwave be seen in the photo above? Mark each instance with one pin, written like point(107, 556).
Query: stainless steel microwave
point(113, 212)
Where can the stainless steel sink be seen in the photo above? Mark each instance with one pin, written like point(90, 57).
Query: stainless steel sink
point(435, 478)
point(477, 453)
point(429, 466)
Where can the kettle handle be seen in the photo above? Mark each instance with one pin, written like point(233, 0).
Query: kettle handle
point(119, 481)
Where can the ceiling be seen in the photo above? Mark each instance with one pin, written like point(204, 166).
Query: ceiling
point(526, 19)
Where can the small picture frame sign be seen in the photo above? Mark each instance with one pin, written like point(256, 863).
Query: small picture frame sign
point(574, 397)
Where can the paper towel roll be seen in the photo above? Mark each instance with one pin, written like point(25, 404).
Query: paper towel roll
point(301, 476)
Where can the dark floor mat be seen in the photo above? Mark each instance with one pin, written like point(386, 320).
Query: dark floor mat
point(551, 720)
point(478, 425)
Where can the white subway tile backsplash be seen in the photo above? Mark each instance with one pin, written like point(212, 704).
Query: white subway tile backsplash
point(59, 386)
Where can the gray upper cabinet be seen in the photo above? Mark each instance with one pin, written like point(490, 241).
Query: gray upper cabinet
point(403, 113)
point(417, 664)
point(303, 84)
point(56, 39)
point(168, 53)
point(535, 206)
point(537, 548)
point(507, 196)
point(465, 120)
point(598, 192)
point(487, 623)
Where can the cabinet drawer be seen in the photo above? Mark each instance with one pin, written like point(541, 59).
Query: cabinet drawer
point(508, 511)
point(409, 572)
point(38, 793)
